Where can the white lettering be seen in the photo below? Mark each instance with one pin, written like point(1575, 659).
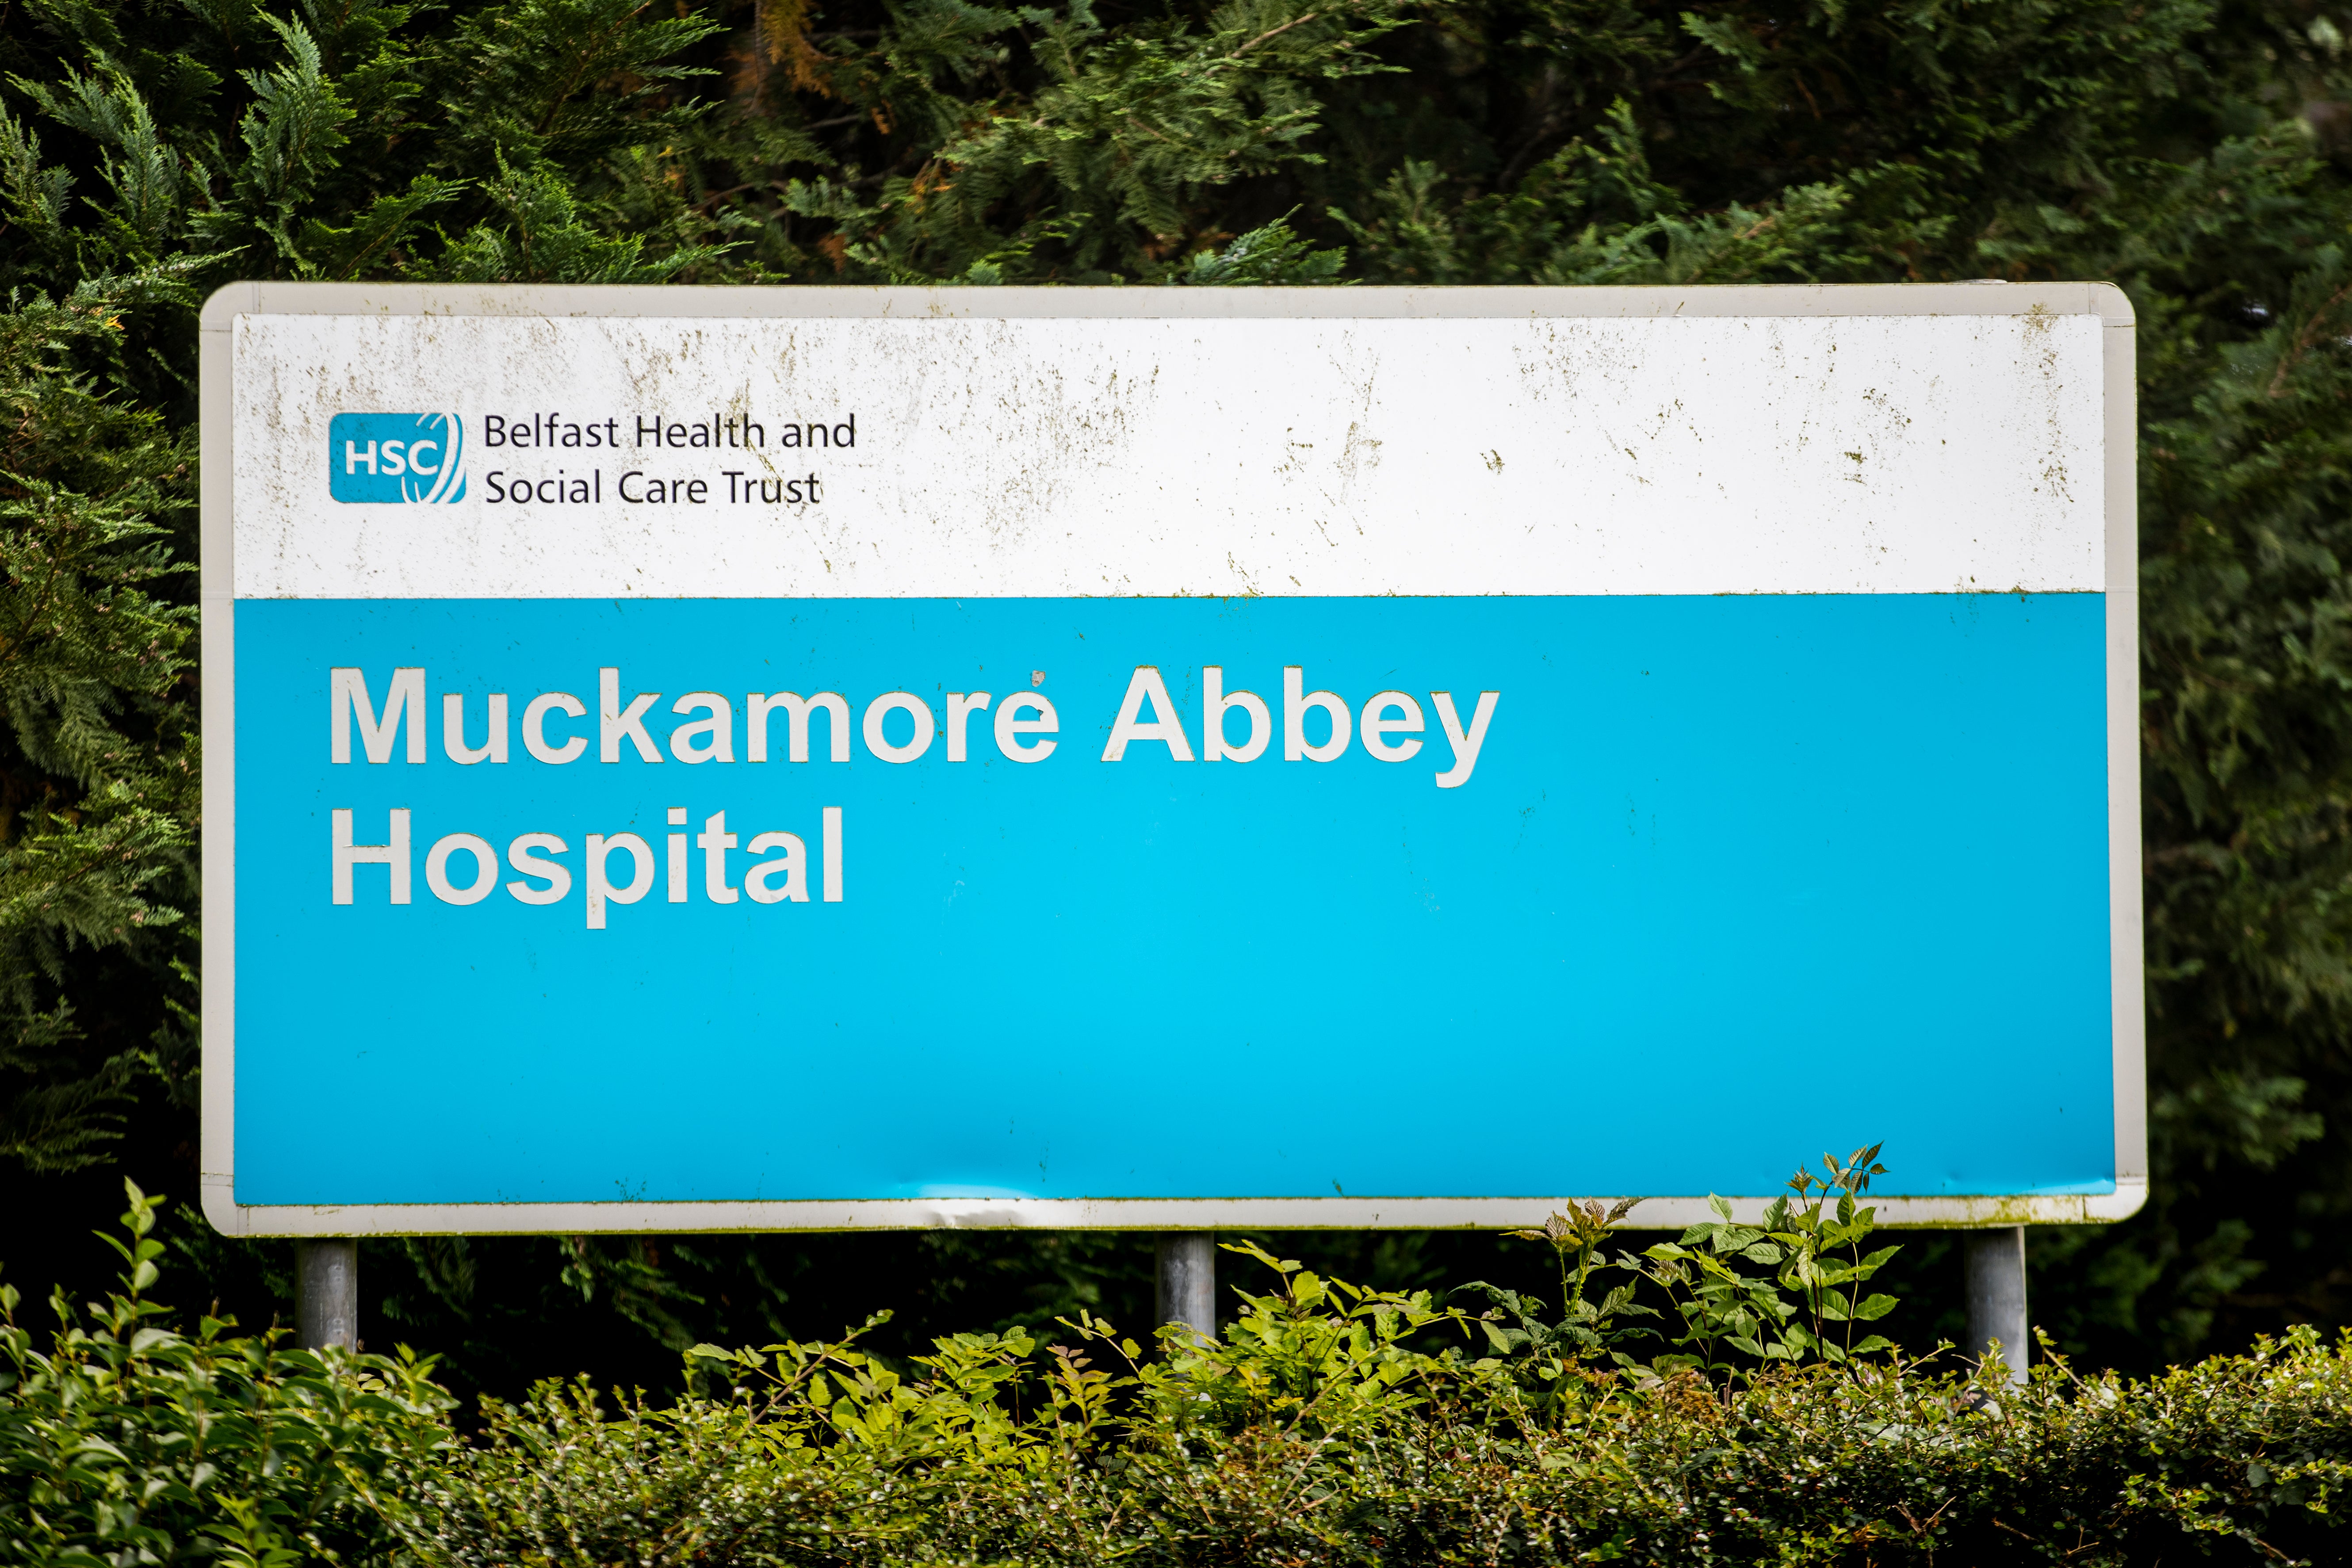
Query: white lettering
point(486, 869)
point(1214, 747)
point(534, 727)
point(1296, 701)
point(520, 856)
point(615, 721)
point(832, 854)
point(600, 850)
point(760, 881)
point(1377, 729)
point(452, 730)
point(1466, 747)
point(914, 707)
point(717, 730)
point(393, 854)
point(1164, 727)
point(755, 724)
point(960, 708)
point(348, 696)
point(714, 841)
point(677, 855)
point(1011, 727)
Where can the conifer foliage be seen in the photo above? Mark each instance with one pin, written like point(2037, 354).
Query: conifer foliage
point(95, 645)
point(2195, 151)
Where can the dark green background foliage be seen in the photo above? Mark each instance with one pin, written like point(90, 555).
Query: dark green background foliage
point(2195, 151)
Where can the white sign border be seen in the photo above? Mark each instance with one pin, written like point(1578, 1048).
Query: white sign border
point(218, 1162)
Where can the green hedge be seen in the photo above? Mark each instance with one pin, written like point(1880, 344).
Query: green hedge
point(1330, 1425)
point(134, 1440)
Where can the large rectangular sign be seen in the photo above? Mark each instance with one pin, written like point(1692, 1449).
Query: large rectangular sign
point(824, 757)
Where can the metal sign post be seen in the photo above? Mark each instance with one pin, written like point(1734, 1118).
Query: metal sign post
point(1997, 1315)
point(327, 1293)
point(1186, 1281)
point(643, 722)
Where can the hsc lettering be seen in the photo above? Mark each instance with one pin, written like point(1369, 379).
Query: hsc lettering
point(396, 458)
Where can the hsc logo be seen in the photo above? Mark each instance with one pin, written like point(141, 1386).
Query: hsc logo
point(382, 458)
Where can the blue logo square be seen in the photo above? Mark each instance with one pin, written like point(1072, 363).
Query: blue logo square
point(382, 458)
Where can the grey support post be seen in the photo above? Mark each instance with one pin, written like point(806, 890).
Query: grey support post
point(1997, 1295)
point(1187, 1284)
point(327, 1292)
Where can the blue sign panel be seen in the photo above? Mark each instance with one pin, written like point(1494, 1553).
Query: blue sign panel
point(1117, 837)
point(1065, 977)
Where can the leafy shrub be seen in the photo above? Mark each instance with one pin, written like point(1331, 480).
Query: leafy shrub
point(1328, 1424)
point(1314, 1435)
point(127, 1441)
point(1327, 1428)
point(1802, 1308)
